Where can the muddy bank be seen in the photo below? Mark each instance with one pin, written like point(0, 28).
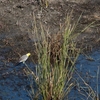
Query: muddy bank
point(17, 23)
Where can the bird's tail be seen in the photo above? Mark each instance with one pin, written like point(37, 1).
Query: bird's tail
point(17, 64)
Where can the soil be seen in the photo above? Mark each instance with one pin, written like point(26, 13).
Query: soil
point(19, 18)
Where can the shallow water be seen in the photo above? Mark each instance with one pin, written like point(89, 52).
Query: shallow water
point(13, 85)
point(87, 73)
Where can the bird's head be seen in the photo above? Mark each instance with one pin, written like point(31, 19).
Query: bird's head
point(28, 54)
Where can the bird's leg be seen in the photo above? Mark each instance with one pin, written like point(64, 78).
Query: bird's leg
point(30, 71)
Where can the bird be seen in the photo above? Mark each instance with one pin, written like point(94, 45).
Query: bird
point(23, 59)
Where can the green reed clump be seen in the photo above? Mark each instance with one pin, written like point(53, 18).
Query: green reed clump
point(56, 59)
point(54, 77)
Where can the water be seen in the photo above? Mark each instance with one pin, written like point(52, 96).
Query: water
point(13, 86)
point(87, 75)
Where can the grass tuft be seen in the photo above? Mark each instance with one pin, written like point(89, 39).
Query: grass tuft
point(56, 56)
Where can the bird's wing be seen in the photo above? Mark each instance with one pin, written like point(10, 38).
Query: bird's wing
point(23, 58)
